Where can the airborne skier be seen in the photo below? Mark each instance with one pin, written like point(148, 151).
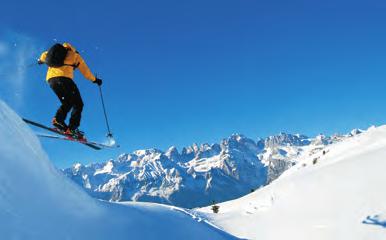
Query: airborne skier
point(62, 60)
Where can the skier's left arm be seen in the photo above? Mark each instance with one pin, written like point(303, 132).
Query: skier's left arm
point(83, 68)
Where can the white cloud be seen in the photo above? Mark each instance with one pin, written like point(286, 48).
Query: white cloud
point(16, 52)
point(3, 49)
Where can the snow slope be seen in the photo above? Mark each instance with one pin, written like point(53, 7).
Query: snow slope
point(341, 196)
point(39, 202)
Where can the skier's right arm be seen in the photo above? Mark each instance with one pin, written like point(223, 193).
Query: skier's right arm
point(83, 68)
point(42, 58)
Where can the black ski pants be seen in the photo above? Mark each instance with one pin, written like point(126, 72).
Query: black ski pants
point(69, 95)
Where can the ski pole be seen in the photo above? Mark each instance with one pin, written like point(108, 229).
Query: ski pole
point(19, 69)
point(31, 65)
point(109, 134)
point(22, 67)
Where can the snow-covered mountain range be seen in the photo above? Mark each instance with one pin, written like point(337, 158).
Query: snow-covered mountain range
point(334, 190)
point(199, 174)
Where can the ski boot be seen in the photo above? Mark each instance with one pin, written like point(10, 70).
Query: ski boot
point(75, 134)
point(60, 126)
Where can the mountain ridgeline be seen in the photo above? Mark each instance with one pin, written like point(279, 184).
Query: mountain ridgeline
point(200, 174)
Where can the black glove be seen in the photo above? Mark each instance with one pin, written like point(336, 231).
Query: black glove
point(40, 62)
point(98, 81)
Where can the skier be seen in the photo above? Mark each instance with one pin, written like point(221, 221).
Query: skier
point(62, 60)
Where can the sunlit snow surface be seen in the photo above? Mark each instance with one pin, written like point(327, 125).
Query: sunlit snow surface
point(38, 202)
point(340, 195)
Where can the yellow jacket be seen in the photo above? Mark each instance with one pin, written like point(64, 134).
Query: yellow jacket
point(73, 58)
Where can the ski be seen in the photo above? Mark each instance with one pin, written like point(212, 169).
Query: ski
point(87, 143)
point(94, 145)
point(54, 130)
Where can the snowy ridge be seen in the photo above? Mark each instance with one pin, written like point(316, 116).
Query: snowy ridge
point(39, 202)
point(199, 174)
point(336, 195)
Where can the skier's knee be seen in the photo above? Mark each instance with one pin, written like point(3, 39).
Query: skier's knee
point(79, 106)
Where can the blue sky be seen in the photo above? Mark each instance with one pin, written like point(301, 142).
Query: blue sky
point(178, 72)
